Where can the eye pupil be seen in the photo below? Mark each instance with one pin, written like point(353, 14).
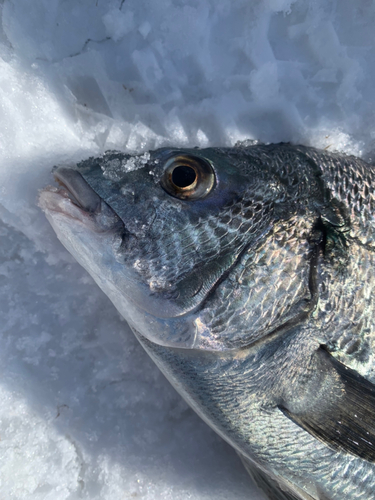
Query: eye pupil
point(183, 176)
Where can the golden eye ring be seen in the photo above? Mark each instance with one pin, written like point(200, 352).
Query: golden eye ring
point(188, 177)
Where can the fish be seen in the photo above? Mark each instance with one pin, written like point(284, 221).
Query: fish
point(247, 275)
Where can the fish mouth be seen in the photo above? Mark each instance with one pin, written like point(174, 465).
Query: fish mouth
point(80, 193)
point(75, 199)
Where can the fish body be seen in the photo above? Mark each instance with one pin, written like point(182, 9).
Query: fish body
point(247, 274)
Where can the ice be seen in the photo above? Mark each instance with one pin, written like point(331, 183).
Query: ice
point(145, 29)
point(85, 413)
point(114, 168)
point(118, 24)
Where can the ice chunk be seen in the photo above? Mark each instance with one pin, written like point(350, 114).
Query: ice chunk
point(87, 92)
point(136, 162)
point(118, 23)
point(145, 29)
point(115, 168)
point(148, 66)
point(280, 5)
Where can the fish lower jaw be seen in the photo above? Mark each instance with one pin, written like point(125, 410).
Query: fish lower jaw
point(53, 200)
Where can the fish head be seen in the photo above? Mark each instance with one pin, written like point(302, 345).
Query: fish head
point(160, 232)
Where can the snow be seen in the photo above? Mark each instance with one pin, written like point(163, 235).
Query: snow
point(85, 413)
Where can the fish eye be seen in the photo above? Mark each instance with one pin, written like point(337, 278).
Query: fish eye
point(188, 177)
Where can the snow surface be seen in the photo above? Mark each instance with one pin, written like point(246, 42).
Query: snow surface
point(84, 413)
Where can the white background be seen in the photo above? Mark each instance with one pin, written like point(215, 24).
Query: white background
point(84, 414)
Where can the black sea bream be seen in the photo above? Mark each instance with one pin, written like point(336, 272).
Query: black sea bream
point(247, 274)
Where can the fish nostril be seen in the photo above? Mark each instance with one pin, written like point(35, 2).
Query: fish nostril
point(80, 192)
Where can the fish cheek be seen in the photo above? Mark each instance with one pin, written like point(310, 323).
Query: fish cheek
point(269, 289)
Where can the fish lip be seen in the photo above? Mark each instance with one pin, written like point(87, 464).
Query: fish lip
point(76, 200)
point(73, 198)
point(78, 190)
point(58, 200)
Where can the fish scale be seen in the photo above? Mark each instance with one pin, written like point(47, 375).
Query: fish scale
point(351, 298)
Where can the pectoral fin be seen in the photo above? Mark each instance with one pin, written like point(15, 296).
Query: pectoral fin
point(345, 421)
